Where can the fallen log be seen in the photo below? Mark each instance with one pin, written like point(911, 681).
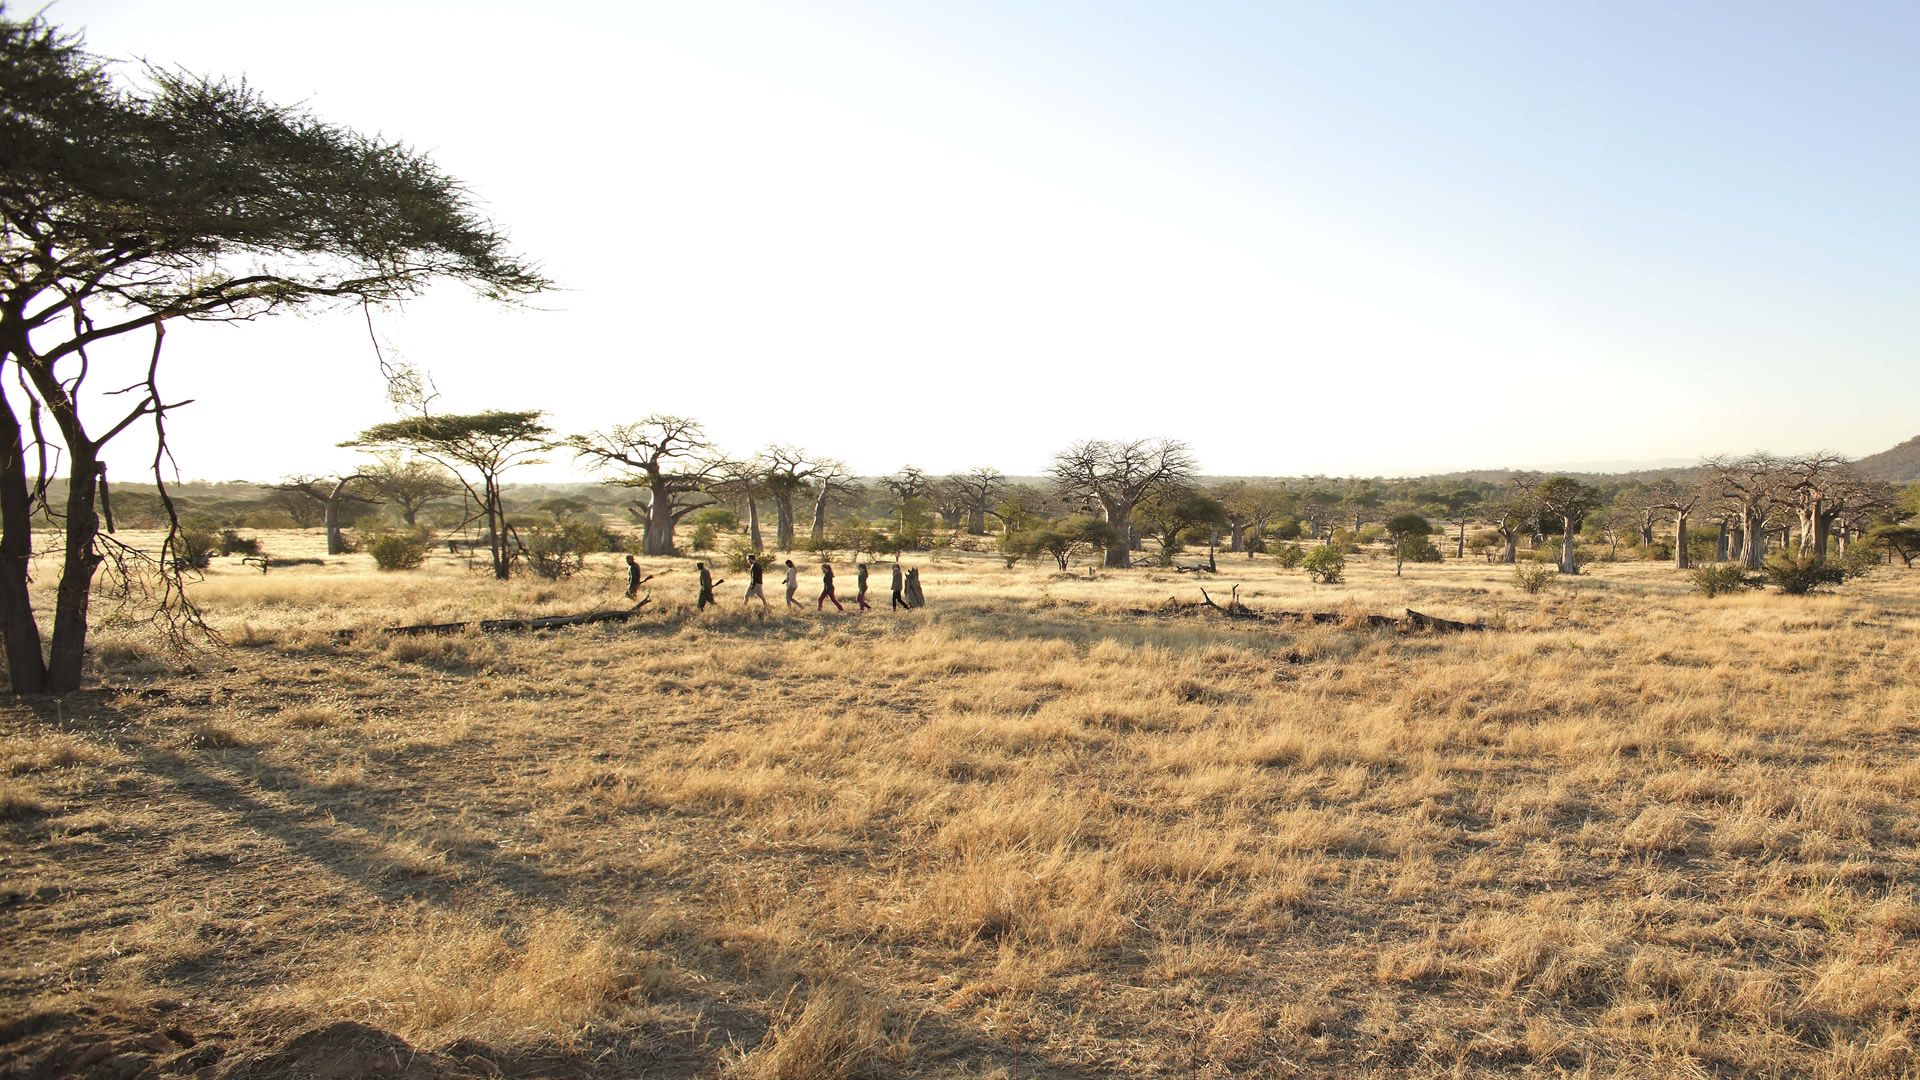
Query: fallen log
point(1414, 620)
point(502, 626)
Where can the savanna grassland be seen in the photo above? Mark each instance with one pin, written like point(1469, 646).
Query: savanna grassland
point(1035, 829)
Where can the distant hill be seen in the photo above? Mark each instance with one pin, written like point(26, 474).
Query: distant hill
point(1900, 465)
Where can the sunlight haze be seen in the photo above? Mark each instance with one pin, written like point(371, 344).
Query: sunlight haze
point(1384, 238)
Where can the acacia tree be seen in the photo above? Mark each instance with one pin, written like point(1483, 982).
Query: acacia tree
point(1569, 500)
point(1118, 475)
point(408, 484)
point(476, 448)
point(331, 495)
point(668, 457)
point(123, 209)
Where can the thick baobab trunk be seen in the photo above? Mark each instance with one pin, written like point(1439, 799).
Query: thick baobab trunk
point(1236, 536)
point(26, 666)
point(657, 539)
point(1680, 540)
point(1120, 552)
point(1511, 552)
point(783, 523)
point(1756, 536)
point(336, 544)
point(69, 646)
point(1567, 539)
point(1822, 525)
point(820, 514)
point(753, 519)
point(976, 521)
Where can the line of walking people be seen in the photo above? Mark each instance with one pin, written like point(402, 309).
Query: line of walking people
point(906, 587)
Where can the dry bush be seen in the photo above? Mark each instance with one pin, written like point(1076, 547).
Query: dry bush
point(838, 1032)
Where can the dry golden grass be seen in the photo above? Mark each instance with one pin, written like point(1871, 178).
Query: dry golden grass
point(1029, 830)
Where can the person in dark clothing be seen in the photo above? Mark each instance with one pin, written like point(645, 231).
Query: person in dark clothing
point(899, 601)
point(756, 574)
point(826, 589)
point(706, 586)
point(860, 597)
point(633, 578)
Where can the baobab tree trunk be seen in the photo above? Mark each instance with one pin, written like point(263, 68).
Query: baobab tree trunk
point(26, 666)
point(336, 544)
point(1756, 546)
point(1119, 553)
point(1460, 552)
point(657, 539)
point(1236, 536)
point(753, 518)
point(1679, 540)
point(783, 522)
point(1512, 550)
point(1567, 537)
point(977, 521)
point(820, 513)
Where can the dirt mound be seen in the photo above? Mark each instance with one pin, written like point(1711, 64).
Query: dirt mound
point(151, 1042)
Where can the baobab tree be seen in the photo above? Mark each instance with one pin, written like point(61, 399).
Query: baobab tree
point(1460, 509)
point(1251, 510)
point(978, 491)
point(1751, 487)
point(788, 472)
point(829, 479)
point(1513, 510)
point(1569, 500)
point(1679, 500)
point(126, 208)
point(1118, 475)
point(331, 495)
point(667, 457)
point(742, 480)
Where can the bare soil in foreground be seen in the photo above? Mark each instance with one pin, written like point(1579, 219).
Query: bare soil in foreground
point(1035, 829)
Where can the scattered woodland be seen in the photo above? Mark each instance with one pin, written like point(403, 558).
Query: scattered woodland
point(413, 771)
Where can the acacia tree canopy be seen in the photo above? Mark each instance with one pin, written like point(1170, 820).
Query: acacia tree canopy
point(126, 206)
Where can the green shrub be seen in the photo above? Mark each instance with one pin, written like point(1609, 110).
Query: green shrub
point(1859, 559)
point(558, 550)
point(1797, 577)
point(398, 550)
point(1718, 578)
point(1534, 577)
point(738, 553)
point(1289, 555)
point(1325, 564)
point(719, 517)
point(702, 538)
point(232, 543)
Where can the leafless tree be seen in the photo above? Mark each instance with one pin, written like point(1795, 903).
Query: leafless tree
point(789, 472)
point(829, 479)
point(1751, 488)
point(332, 495)
point(1514, 510)
point(1679, 500)
point(668, 458)
point(1120, 474)
point(910, 482)
point(978, 491)
point(743, 480)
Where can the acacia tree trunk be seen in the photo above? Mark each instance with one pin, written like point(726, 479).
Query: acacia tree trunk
point(26, 666)
point(496, 528)
point(69, 646)
point(1680, 540)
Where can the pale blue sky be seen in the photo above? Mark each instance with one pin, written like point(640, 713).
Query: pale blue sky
point(1343, 238)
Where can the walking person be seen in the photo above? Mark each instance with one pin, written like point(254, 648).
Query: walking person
point(861, 596)
point(826, 589)
point(793, 585)
point(634, 580)
point(706, 586)
point(899, 601)
point(756, 574)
